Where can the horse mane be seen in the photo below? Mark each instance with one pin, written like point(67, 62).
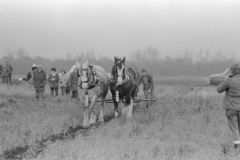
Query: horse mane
point(113, 71)
point(101, 73)
point(135, 75)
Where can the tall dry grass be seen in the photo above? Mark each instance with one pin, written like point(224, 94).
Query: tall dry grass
point(180, 125)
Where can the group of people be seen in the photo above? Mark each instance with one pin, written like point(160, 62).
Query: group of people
point(56, 81)
point(6, 73)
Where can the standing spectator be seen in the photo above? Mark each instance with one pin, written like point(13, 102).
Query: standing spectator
point(63, 82)
point(39, 82)
point(53, 78)
point(73, 83)
point(10, 70)
point(148, 85)
point(5, 74)
point(231, 102)
point(1, 71)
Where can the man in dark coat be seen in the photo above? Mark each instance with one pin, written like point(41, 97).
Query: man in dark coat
point(148, 85)
point(9, 70)
point(39, 82)
point(73, 83)
point(53, 78)
point(5, 74)
point(1, 71)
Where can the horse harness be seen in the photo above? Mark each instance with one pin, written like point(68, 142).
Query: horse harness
point(92, 76)
point(129, 78)
point(94, 85)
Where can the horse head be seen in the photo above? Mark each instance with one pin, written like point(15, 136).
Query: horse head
point(118, 70)
point(83, 72)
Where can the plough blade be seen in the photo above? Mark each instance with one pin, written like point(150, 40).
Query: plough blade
point(135, 100)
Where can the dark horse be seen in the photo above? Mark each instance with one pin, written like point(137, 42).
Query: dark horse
point(123, 86)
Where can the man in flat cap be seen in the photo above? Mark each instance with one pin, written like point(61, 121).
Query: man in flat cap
point(39, 82)
point(148, 85)
point(231, 102)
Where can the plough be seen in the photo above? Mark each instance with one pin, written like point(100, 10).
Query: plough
point(135, 100)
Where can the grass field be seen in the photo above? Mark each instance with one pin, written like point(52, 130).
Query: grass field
point(180, 125)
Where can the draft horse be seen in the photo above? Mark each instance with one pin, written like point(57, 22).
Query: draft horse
point(123, 86)
point(94, 81)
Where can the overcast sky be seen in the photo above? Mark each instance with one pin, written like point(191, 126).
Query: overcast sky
point(53, 28)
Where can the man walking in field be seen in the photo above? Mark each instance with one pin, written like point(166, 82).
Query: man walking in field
point(148, 85)
point(231, 102)
point(10, 70)
point(39, 82)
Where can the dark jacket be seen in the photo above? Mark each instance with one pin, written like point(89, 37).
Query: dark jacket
point(0, 70)
point(53, 80)
point(231, 86)
point(9, 68)
point(34, 68)
point(73, 81)
point(39, 80)
point(147, 82)
point(29, 76)
point(5, 71)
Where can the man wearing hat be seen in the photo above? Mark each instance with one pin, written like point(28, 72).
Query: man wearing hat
point(148, 85)
point(39, 82)
point(231, 102)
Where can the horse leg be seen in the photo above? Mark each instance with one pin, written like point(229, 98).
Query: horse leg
point(129, 107)
point(103, 98)
point(100, 119)
point(85, 112)
point(115, 105)
point(92, 112)
point(86, 117)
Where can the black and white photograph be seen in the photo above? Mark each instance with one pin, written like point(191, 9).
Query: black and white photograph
point(119, 79)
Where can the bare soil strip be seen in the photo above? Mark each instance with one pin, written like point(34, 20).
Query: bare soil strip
point(21, 152)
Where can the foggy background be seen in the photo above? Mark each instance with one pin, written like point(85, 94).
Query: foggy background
point(169, 34)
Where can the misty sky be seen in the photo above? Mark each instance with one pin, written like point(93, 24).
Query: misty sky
point(53, 28)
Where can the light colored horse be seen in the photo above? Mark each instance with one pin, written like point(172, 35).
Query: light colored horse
point(94, 82)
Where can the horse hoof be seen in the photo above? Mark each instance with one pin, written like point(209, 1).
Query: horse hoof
point(93, 119)
point(101, 121)
point(86, 124)
point(116, 114)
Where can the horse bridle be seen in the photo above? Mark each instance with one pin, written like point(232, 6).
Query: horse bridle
point(86, 69)
point(92, 72)
point(116, 74)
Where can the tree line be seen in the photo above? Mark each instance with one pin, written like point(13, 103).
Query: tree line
point(186, 63)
